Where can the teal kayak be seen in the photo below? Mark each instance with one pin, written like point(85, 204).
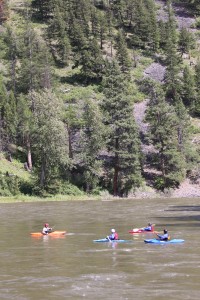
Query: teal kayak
point(157, 241)
point(105, 240)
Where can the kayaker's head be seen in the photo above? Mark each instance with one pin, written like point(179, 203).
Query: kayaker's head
point(165, 231)
point(113, 230)
point(46, 225)
point(149, 224)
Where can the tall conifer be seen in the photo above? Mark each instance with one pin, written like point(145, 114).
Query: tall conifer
point(123, 140)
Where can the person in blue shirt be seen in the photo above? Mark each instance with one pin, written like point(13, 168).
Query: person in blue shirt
point(113, 236)
point(149, 227)
point(165, 236)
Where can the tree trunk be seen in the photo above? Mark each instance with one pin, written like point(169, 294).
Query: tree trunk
point(29, 156)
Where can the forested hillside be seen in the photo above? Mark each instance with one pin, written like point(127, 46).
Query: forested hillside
point(99, 95)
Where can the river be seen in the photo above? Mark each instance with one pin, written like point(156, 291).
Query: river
point(74, 267)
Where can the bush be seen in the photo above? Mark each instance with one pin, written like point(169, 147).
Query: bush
point(66, 188)
point(26, 187)
point(9, 184)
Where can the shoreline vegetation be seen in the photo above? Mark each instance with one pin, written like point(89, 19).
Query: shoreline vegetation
point(186, 190)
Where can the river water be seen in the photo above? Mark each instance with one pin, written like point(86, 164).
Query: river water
point(74, 267)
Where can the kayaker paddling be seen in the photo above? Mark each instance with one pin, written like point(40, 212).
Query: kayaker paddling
point(113, 236)
point(46, 229)
point(164, 236)
point(149, 227)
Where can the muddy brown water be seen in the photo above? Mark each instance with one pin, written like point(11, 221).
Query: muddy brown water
point(74, 267)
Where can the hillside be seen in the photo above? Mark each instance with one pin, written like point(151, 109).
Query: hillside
point(72, 74)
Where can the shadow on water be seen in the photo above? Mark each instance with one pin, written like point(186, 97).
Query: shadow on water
point(184, 208)
point(180, 225)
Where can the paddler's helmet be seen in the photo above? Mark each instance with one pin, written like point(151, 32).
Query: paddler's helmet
point(113, 230)
point(165, 230)
point(149, 224)
point(46, 225)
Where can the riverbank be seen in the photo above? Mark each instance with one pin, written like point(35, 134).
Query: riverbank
point(185, 190)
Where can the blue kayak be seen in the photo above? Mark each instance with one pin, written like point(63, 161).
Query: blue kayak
point(157, 241)
point(105, 240)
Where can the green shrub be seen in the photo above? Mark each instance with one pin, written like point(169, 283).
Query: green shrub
point(9, 184)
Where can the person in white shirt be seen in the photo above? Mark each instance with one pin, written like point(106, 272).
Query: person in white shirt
point(46, 229)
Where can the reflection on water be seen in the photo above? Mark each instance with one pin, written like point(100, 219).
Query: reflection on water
point(74, 267)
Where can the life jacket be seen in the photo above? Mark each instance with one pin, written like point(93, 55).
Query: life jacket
point(116, 236)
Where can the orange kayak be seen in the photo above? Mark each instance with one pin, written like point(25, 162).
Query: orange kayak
point(53, 234)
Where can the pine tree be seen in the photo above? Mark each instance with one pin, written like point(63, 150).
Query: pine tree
point(25, 126)
point(123, 141)
point(188, 89)
point(10, 118)
point(163, 134)
point(35, 72)
point(12, 54)
point(48, 138)
point(122, 53)
point(91, 62)
point(186, 40)
point(58, 34)
point(141, 27)
point(91, 142)
point(173, 60)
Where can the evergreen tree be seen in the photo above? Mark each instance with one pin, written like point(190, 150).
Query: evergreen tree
point(186, 40)
point(10, 118)
point(123, 141)
point(153, 37)
point(141, 26)
point(35, 72)
point(91, 62)
point(25, 125)
point(188, 89)
point(58, 33)
point(163, 126)
point(12, 54)
point(122, 53)
point(48, 138)
point(172, 75)
point(91, 142)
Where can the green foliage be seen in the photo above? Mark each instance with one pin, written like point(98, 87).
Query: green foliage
point(163, 130)
point(49, 137)
point(66, 188)
point(123, 140)
point(186, 40)
point(91, 142)
point(9, 184)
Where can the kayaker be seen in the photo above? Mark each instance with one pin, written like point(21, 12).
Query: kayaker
point(46, 229)
point(149, 227)
point(164, 236)
point(113, 236)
